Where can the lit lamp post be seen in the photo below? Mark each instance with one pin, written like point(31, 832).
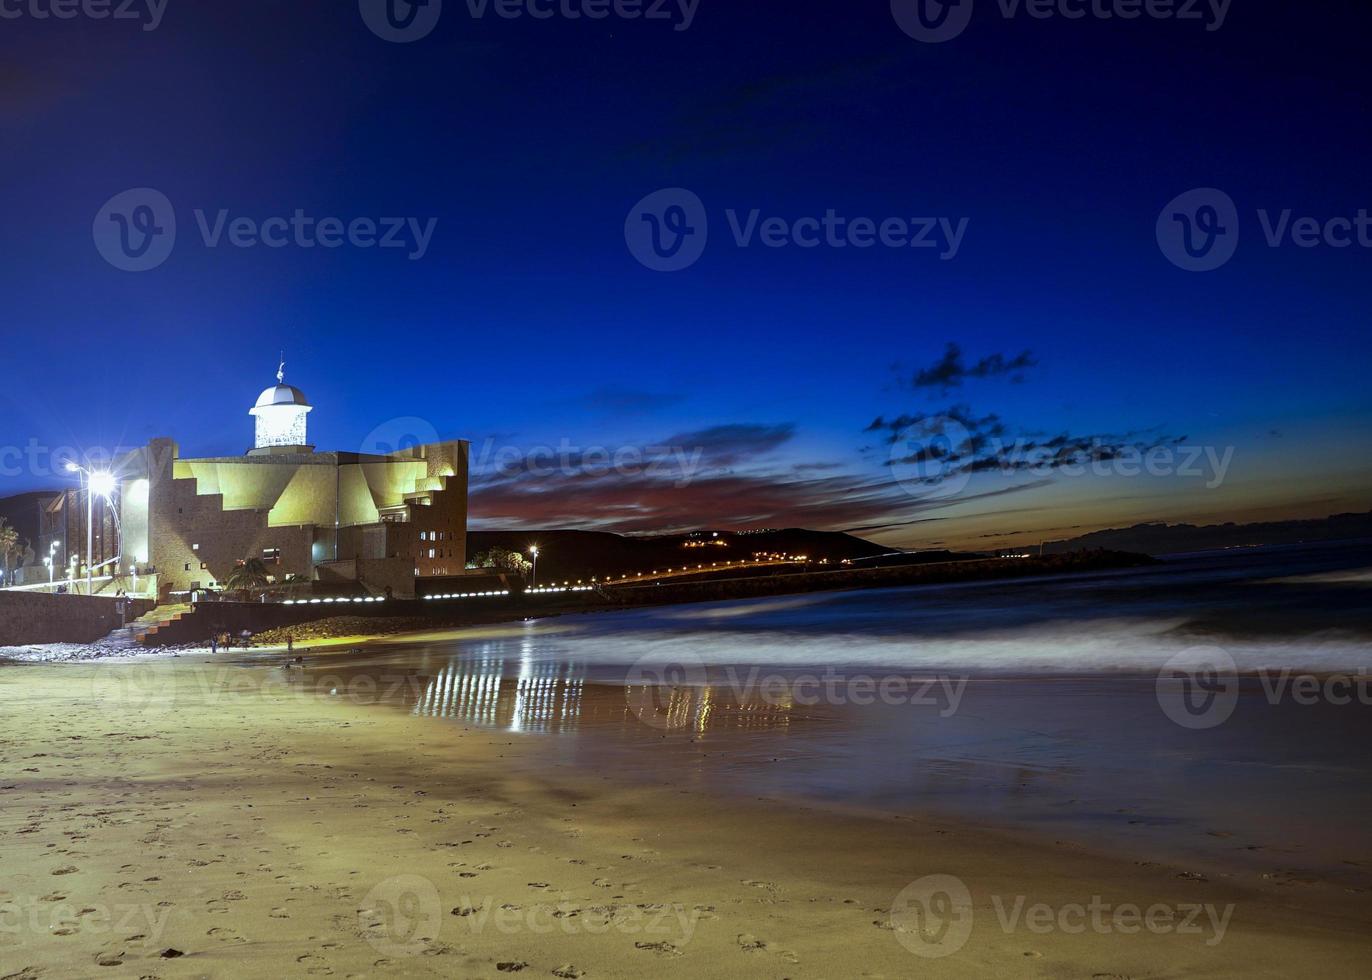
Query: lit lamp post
point(533, 575)
point(97, 482)
point(51, 561)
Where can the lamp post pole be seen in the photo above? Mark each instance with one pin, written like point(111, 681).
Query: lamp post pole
point(90, 535)
point(103, 483)
point(533, 575)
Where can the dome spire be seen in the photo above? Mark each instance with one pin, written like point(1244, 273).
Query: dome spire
point(281, 369)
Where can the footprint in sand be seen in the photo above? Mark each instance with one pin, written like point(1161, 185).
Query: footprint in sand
point(64, 871)
point(568, 972)
point(227, 935)
point(661, 949)
point(513, 966)
point(751, 944)
point(314, 965)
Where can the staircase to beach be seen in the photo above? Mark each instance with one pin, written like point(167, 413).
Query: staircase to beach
point(134, 634)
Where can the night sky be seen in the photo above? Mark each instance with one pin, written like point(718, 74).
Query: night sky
point(785, 376)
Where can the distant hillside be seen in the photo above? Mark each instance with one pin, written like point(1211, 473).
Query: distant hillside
point(1162, 539)
point(571, 555)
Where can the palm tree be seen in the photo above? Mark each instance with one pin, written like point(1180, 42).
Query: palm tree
point(9, 546)
point(249, 576)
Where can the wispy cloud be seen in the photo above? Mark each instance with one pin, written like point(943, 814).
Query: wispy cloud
point(950, 371)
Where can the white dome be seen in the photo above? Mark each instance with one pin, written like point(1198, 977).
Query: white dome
point(282, 394)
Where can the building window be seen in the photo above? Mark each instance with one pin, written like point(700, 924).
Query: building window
point(203, 566)
point(271, 556)
point(188, 566)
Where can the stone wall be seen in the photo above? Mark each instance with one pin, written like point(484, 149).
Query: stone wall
point(42, 617)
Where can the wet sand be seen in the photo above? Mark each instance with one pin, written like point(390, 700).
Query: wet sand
point(245, 823)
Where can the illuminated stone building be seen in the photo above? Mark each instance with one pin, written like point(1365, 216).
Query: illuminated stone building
point(359, 521)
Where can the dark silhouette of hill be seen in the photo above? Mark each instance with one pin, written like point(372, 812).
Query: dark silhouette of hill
point(566, 555)
point(1163, 539)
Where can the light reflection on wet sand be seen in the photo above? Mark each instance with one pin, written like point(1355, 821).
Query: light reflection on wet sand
point(1075, 745)
point(1278, 788)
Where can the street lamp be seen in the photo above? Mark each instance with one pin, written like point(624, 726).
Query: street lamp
point(97, 482)
point(533, 575)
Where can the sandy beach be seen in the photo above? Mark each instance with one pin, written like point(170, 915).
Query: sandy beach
point(194, 817)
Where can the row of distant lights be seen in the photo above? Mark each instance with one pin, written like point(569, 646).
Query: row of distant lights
point(560, 588)
point(315, 602)
point(467, 595)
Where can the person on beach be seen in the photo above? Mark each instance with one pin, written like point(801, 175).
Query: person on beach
point(214, 643)
point(290, 644)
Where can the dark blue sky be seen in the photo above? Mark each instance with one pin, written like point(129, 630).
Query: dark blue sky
point(528, 322)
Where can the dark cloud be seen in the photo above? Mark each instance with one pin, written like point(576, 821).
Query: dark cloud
point(613, 400)
point(649, 502)
point(950, 371)
point(723, 476)
point(729, 445)
point(956, 442)
point(772, 113)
